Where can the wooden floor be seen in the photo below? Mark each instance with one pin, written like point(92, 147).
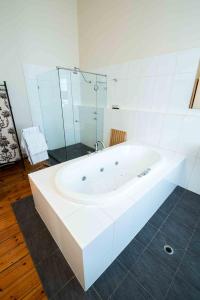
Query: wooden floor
point(18, 276)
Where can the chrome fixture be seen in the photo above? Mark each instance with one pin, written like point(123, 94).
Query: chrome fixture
point(168, 249)
point(96, 88)
point(96, 145)
point(76, 70)
point(145, 172)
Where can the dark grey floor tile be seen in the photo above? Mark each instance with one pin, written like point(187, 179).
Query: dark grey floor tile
point(52, 161)
point(70, 152)
point(169, 203)
point(154, 276)
point(181, 290)
point(186, 215)
point(190, 199)
point(110, 279)
point(32, 225)
point(157, 248)
point(176, 232)
point(41, 245)
point(54, 273)
point(179, 191)
point(158, 218)
point(146, 234)
point(194, 245)
point(129, 289)
point(190, 269)
point(73, 291)
point(24, 208)
point(131, 253)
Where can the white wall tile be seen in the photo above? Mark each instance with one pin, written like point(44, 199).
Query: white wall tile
point(190, 136)
point(122, 120)
point(181, 92)
point(133, 89)
point(140, 126)
point(110, 91)
point(187, 61)
point(97, 256)
point(120, 92)
point(146, 92)
point(148, 66)
point(119, 71)
point(161, 95)
point(194, 180)
point(154, 124)
point(166, 64)
point(134, 68)
point(170, 135)
point(188, 167)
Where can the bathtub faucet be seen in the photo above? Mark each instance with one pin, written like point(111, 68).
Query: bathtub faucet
point(96, 145)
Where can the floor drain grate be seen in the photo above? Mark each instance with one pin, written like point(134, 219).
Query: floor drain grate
point(168, 249)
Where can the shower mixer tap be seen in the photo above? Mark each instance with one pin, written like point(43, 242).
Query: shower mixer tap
point(96, 145)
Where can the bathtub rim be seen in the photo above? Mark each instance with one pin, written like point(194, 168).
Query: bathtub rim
point(101, 198)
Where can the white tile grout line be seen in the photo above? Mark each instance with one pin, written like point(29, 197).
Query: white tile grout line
point(186, 248)
point(73, 277)
point(97, 292)
point(129, 273)
point(66, 283)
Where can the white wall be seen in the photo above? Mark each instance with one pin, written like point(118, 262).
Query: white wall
point(34, 32)
point(115, 31)
point(153, 95)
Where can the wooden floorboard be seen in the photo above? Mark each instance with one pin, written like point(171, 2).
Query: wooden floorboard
point(18, 276)
point(8, 232)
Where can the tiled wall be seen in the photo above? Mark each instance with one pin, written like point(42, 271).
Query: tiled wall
point(154, 95)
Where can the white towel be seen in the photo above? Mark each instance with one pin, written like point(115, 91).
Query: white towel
point(34, 144)
point(26, 132)
point(36, 158)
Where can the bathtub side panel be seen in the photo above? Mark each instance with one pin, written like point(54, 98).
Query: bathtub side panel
point(131, 222)
point(68, 246)
point(97, 256)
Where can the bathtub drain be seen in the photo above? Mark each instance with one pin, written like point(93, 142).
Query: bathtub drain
point(84, 178)
point(168, 249)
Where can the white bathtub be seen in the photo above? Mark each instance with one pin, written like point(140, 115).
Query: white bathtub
point(107, 175)
point(94, 206)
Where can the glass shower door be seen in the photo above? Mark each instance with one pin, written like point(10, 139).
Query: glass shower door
point(78, 98)
point(87, 111)
point(72, 106)
point(51, 111)
point(101, 103)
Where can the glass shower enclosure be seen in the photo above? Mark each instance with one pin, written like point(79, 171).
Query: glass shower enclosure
point(72, 104)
